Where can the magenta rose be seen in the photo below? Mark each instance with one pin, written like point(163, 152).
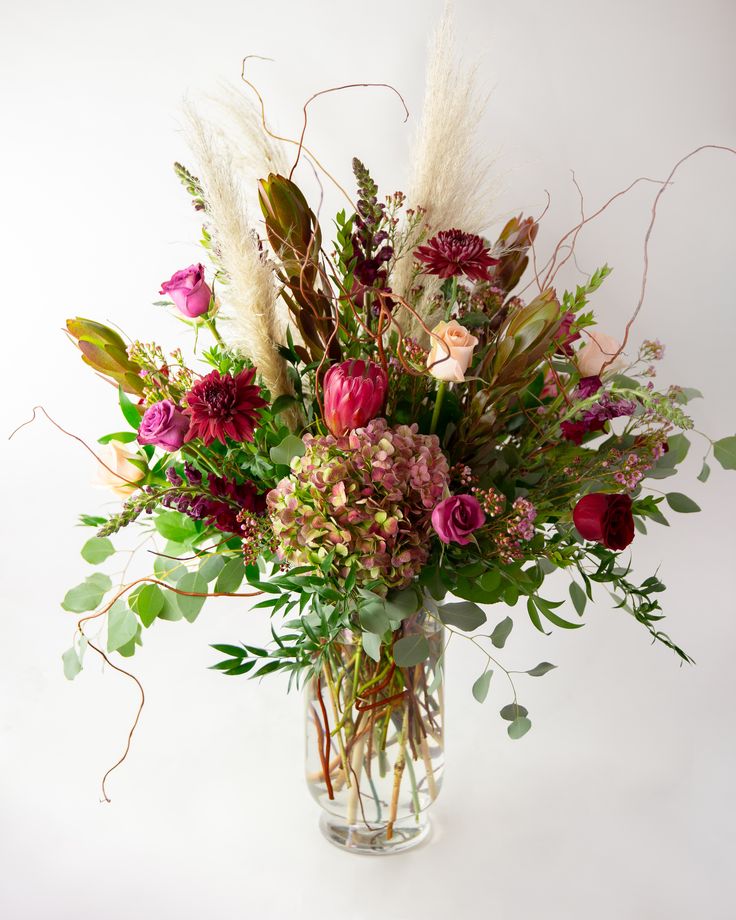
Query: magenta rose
point(189, 291)
point(163, 425)
point(456, 518)
point(605, 519)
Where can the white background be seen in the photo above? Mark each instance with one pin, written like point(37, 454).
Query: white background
point(619, 803)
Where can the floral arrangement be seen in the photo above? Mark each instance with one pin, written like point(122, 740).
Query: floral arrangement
point(381, 437)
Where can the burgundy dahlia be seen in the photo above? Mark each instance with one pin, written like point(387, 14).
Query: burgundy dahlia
point(453, 252)
point(222, 406)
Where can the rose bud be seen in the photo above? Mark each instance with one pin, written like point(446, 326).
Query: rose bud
point(456, 518)
point(189, 291)
point(354, 393)
point(605, 518)
point(116, 472)
point(163, 425)
point(599, 350)
point(451, 351)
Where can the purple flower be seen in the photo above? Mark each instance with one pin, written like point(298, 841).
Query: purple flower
point(189, 291)
point(587, 387)
point(163, 425)
point(194, 477)
point(173, 477)
point(456, 518)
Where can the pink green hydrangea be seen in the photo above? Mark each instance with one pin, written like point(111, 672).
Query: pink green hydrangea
point(368, 495)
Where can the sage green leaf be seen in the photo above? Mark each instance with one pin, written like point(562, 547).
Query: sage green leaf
point(519, 727)
point(167, 569)
point(372, 645)
point(480, 687)
point(401, 604)
point(679, 502)
point(191, 606)
point(170, 610)
point(148, 602)
point(121, 627)
point(87, 595)
point(283, 402)
point(173, 525)
point(577, 595)
point(211, 567)
point(464, 615)
point(542, 668)
point(102, 581)
point(704, 473)
point(513, 711)
point(374, 619)
point(231, 577)
point(290, 447)
point(678, 446)
point(502, 631)
point(72, 664)
point(725, 452)
point(410, 650)
point(97, 549)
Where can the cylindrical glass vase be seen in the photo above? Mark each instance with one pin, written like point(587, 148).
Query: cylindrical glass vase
point(375, 750)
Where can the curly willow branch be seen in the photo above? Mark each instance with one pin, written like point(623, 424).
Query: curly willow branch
point(665, 185)
point(106, 609)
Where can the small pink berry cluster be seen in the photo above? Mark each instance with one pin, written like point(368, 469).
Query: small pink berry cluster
point(462, 474)
point(491, 501)
point(519, 526)
point(258, 536)
point(522, 520)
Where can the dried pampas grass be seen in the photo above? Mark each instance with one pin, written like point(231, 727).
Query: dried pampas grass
point(450, 174)
point(250, 312)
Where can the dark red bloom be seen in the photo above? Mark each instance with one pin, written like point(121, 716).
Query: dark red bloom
point(563, 337)
point(223, 514)
point(576, 431)
point(222, 406)
point(453, 252)
point(605, 518)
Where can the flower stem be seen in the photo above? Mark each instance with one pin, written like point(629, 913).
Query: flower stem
point(438, 406)
point(210, 323)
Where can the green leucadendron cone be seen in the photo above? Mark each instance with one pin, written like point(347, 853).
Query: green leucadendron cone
point(296, 238)
point(104, 350)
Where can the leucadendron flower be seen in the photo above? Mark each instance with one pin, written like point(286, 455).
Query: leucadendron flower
point(451, 351)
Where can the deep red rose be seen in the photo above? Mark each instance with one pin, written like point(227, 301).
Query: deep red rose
point(605, 518)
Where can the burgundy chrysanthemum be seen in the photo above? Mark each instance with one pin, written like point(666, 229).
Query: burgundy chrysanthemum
point(222, 406)
point(453, 252)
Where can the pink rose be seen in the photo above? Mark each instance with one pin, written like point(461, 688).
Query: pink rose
point(189, 291)
point(354, 394)
point(451, 351)
point(163, 425)
point(457, 517)
point(598, 350)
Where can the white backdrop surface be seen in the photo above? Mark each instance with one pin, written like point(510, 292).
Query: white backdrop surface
point(619, 803)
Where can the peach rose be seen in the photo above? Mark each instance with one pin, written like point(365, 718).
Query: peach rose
point(599, 348)
point(117, 457)
point(451, 351)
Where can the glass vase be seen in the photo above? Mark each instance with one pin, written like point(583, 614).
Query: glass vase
point(374, 732)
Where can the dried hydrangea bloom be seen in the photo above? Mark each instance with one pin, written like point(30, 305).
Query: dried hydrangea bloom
point(368, 495)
